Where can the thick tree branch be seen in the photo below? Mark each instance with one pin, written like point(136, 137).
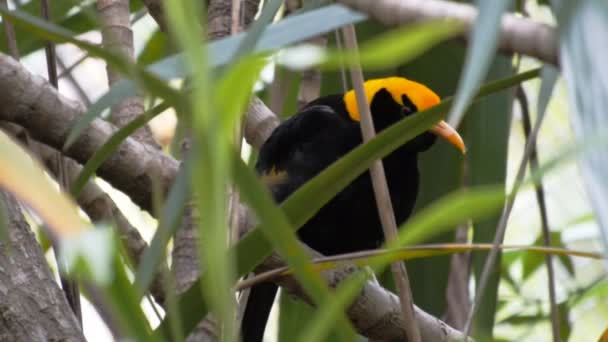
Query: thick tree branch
point(31, 102)
point(49, 115)
point(155, 8)
point(376, 312)
point(517, 35)
point(33, 307)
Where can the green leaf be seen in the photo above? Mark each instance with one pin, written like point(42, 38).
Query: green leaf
point(156, 48)
point(277, 229)
point(487, 137)
point(440, 172)
point(484, 40)
point(168, 223)
point(396, 46)
point(26, 179)
point(257, 28)
point(293, 314)
point(124, 304)
point(78, 22)
point(111, 145)
point(531, 263)
point(586, 76)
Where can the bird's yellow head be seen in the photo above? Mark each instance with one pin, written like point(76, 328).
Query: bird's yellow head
point(406, 94)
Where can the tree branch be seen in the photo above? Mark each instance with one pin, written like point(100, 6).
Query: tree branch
point(376, 313)
point(517, 35)
point(93, 201)
point(32, 103)
point(33, 307)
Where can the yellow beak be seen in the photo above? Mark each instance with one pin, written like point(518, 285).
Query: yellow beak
point(445, 131)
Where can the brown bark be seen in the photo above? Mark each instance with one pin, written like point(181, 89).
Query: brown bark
point(93, 200)
point(186, 266)
point(33, 307)
point(48, 116)
point(117, 36)
point(376, 312)
point(155, 8)
point(517, 34)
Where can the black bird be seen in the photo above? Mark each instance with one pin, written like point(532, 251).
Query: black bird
point(325, 130)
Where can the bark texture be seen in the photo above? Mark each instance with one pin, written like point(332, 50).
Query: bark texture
point(376, 313)
point(48, 116)
point(93, 200)
point(33, 307)
point(117, 36)
point(517, 34)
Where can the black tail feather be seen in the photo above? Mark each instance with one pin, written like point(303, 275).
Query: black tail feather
point(257, 311)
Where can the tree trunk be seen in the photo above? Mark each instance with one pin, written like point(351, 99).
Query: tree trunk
point(32, 308)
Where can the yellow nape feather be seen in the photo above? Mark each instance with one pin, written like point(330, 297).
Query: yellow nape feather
point(420, 95)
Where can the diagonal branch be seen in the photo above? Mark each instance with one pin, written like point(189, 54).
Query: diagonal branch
point(381, 192)
point(93, 201)
point(517, 34)
point(32, 103)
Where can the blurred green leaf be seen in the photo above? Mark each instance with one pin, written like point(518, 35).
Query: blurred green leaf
point(486, 132)
point(417, 251)
point(256, 29)
point(396, 46)
point(210, 167)
point(278, 230)
point(582, 23)
point(441, 172)
point(484, 40)
point(124, 304)
point(531, 263)
point(77, 22)
point(293, 314)
point(168, 222)
point(111, 145)
point(157, 47)
point(26, 179)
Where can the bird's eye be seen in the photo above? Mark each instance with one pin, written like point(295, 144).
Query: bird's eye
point(405, 110)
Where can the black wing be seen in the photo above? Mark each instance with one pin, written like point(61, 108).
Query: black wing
point(295, 152)
point(302, 146)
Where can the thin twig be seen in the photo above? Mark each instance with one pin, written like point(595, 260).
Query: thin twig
point(11, 37)
point(70, 286)
point(542, 208)
point(343, 77)
point(234, 199)
point(502, 224)
point(383, 198)
point(70, 77)
point(364, 258)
